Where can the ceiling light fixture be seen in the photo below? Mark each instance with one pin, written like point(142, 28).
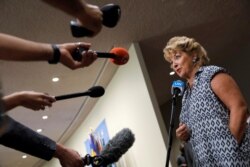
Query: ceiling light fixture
point(55, 79)
point(39, 130)
point(45, 117)
point(172, 73)
point(24, 156)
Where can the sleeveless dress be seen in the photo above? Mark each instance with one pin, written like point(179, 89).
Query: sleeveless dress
point(207, 119)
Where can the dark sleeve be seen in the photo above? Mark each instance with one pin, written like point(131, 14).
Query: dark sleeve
point(19, 137)
point(188, 152)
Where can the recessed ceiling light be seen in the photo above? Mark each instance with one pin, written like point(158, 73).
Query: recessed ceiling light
point(39, 130)
point(55, 79)
point(45, 117)
point(172, 73)
point(24, 156)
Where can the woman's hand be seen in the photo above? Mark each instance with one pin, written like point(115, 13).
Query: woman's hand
point(182, 132)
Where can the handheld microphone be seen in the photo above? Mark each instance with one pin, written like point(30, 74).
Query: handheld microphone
point(177, 88)
point(118, 55)
point(95, 91)
point(111, 14)
point(114, 149)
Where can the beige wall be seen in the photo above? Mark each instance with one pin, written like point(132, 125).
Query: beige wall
point(126, 103)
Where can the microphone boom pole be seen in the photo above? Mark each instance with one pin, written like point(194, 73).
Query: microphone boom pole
point(171, 127)
point(176, 90)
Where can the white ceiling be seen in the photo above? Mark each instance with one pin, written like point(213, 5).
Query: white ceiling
point(221, 26)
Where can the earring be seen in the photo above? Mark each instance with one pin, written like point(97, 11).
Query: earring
point(195, 59)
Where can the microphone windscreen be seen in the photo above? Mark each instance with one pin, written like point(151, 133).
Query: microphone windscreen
point(111, 15)
point(117, 146)
point(122, 56)
point(96, 91)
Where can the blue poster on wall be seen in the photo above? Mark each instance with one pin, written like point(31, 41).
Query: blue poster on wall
point(97, 140)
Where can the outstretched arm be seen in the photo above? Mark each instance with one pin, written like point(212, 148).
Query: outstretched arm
point(29, 99)
point(19, 137)
point(14, 48)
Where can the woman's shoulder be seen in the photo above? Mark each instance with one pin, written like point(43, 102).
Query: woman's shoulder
point(213, 68)
point(210, 71)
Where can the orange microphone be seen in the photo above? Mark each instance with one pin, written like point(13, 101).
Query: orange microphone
point(118, 56)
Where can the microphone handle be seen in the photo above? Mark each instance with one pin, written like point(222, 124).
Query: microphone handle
point(73, 95)
point(96, 161)
point(106, 55)
point(77, 55)
point(79, 31)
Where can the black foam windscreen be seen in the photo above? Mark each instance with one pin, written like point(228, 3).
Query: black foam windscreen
point(96, 91)
point(117, 146)
point(111, 15)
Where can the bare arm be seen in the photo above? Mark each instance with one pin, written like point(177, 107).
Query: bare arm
point(29, 99)
point(229, 93)
point(71, 7)
point(14, 48)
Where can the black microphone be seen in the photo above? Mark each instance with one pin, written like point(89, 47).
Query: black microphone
point(177, 88)
point(111, 14)
point(95, 91)
point(113, 150)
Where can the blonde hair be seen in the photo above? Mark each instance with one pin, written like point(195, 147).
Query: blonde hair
point(188, 45)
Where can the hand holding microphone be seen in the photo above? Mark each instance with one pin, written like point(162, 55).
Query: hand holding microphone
point(111, 14)
point(38, 101)
point(118, 55)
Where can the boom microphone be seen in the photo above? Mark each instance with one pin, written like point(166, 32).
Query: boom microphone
point(95, 91)
point(118, 55)
point(111, 14)
point(177, 88)
point(114, 149)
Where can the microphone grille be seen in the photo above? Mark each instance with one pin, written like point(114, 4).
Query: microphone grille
point(117, 146)
point(121, 54)
point(96, 91)
point(111, 15)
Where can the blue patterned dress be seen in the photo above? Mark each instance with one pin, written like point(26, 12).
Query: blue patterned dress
point(208, 119)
